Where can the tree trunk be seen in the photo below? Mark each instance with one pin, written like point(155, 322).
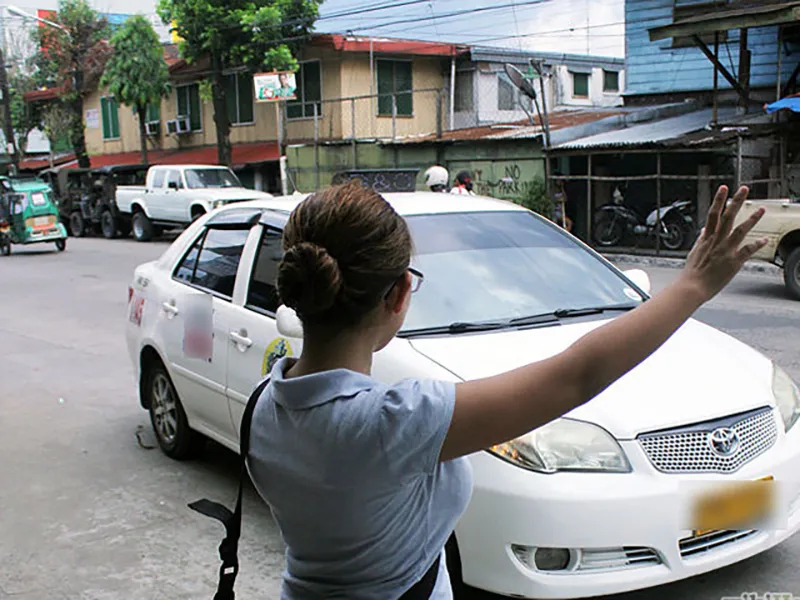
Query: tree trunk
point(77, 134)
point(142, 113)
point(223, 124)
point(8, 127)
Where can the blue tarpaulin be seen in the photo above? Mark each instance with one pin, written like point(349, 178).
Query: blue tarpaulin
point(792, 103)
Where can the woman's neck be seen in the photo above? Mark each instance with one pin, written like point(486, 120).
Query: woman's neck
point(350, 350)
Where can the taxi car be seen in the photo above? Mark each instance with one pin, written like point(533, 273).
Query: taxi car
point(688, 463)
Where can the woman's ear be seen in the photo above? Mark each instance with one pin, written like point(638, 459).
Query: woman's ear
point(398, 297)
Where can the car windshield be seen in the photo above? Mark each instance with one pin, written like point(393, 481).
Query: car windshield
point(211, 178)
point(498, 266)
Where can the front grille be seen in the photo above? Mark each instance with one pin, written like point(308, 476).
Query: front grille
point(687, 449)
point(692, 546)
point(617, 558)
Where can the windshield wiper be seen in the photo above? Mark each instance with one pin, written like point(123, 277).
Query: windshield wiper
point(475, 326)
point(548, 318)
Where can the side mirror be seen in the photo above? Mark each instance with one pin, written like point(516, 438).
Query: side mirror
point(289, 324)
point(640, 278)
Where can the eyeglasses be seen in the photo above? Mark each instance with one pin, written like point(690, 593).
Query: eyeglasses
point(416, 281)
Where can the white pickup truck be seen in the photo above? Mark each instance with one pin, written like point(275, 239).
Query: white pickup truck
point(780, 225)
point(175, 195)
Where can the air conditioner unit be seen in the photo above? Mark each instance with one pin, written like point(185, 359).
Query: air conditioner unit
point(172, 127)
point(153, 128)
point(183, 125)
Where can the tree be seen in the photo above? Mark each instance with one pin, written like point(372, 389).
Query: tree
point(57, 122)
point(257, 34)
point(72, 56)
point(25, 116)
point(136, 73)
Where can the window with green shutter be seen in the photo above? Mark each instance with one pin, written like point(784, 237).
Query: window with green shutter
point(580, 85)
point(153, 113)
point(239, 98)
point(309, 91)
point(395, 81)
point(109, 110)
point(610, 81)
point(189, 105)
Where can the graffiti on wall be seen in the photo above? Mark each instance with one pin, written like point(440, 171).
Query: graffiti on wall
point(507, 186)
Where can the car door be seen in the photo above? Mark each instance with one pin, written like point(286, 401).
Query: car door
point(155, 195)
point(255, 343)
point(195, 327)
point(176, 200)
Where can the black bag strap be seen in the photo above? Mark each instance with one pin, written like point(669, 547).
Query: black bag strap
point(229, 548)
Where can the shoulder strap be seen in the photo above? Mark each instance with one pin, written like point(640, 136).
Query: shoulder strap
point(229, 548)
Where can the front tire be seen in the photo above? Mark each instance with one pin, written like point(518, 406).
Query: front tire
point(61, 244)
point(674, 235)
point(108, 225)
point(77, 224)
point(5, 247)
point(176, 439)
point(791, 273)
point(143, 229)
point(608, 230)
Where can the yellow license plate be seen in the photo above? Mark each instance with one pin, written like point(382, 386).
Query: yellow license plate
point(735, 507)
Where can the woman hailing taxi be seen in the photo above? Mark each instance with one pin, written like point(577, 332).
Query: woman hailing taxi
point(366, 480)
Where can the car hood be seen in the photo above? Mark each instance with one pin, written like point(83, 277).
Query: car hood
point(698, 374)
point(231, 194)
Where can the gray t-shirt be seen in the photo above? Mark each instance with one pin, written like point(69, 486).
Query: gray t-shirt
point(350, 468)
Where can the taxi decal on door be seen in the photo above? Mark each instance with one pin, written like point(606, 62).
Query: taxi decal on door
point(277, 349)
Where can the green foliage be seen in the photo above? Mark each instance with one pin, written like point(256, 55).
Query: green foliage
point(259, 34)
point(534, 197)
point(73, 55)
point(25, 116)
point(136, 73)
point(57, 122)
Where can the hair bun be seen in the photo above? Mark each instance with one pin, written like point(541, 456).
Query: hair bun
point(309, 279)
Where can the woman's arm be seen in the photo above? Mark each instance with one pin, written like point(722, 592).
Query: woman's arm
point(496, 409)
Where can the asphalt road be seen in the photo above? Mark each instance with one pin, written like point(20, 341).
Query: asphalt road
point(89, 512)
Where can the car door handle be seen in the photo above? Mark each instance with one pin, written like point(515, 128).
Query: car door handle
point(170, 309)
point(241, 340)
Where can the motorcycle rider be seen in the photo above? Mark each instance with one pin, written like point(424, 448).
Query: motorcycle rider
point(436, 178)
point(463, 184)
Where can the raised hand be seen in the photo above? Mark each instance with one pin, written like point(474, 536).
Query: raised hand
point(718, 254)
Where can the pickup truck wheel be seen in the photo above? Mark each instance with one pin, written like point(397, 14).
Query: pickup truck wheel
point(791, 273)
point(143, 229)
point(77, 224)
point(108, 225)
point(197, 212)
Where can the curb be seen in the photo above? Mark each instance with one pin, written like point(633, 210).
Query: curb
point(752, 266)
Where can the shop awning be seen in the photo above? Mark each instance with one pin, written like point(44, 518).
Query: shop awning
point(737, 15)
point(790, 103)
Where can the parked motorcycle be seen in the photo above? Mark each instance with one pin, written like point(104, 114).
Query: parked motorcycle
point(616, 222)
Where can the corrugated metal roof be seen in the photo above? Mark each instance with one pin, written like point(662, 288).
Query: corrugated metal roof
point(651, 132)
point(560, 119)
point(502, 55)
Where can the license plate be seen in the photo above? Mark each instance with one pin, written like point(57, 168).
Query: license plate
point(736, 506)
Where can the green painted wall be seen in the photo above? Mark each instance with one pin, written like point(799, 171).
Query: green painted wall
point(499, 168)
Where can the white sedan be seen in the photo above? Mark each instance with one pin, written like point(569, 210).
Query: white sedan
point(689, 463)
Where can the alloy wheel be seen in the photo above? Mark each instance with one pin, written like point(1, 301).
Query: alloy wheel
point(165, 408)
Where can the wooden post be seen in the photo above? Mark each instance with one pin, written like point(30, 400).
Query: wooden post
point(744, 68)
point(658, 203)
point(589, 199)
point(316, 148)
point(782, 150)
point(780, 65)
point(738, 161)
point(279, 127)
point(353, 131)
point(394, 117)
point(716, 79)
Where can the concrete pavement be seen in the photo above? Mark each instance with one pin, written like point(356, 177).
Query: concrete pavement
point(87, 513)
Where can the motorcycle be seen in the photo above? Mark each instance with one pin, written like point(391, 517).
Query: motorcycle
point(673, 224)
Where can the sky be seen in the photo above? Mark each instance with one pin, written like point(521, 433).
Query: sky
point(570, 26)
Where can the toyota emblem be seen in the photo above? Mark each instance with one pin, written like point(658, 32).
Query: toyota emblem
point(724, 441)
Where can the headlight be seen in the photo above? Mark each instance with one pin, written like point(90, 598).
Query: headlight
point(217, 203)
point(787, 397)
point(566, 445)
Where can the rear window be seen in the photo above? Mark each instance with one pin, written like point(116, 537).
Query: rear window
point(212, 261)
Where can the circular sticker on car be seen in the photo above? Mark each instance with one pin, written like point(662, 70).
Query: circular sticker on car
point(277, 349)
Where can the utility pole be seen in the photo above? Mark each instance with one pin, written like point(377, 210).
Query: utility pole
point(8, 125)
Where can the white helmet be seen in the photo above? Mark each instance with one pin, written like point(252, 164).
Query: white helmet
point(436, 176)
